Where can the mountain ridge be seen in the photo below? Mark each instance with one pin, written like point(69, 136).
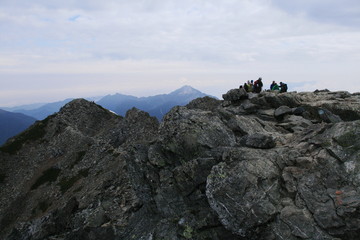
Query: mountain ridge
point(42, 110)
point(291, 159)
point(12, 124)
point(156, 105)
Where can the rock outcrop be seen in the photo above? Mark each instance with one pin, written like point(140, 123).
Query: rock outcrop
point(264, 166)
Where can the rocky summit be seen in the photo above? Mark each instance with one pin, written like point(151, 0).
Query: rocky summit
point(253, 166)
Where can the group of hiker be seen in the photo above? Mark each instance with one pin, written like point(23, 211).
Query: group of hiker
point(256, 87)
point(282, 87)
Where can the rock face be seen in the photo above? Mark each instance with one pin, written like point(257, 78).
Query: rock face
point(264, 166)
point(235, 95)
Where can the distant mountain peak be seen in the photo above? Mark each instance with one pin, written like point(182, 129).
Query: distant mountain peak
point(186, 90)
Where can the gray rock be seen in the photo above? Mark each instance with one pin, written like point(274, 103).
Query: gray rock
point(205, 103)
point(299, 221)
point(328, 116)
point(244, 192)
point(298, 110)
point(275, 100)
point(249, 107)
point(186, 133)
point(281, 111)
point(234, 95)
point(295, 123)
point(260, 141)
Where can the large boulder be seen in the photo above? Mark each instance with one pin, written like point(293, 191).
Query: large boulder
point(281, 111)
point(260, 141)
point(186, 133)
point(328, 116)
point(244, 191)
point(236, 94)
point(206, 103)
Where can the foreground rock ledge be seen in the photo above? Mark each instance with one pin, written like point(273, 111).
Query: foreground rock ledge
point(261, 166)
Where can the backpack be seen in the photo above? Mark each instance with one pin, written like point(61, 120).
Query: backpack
point(284, 87)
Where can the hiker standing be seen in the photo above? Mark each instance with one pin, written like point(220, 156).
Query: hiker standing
point(246, 87)
point(258, 85)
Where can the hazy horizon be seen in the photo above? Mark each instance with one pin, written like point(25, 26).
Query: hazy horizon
point(70, 49)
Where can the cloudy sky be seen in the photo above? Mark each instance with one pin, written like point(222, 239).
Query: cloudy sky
point(51, 50)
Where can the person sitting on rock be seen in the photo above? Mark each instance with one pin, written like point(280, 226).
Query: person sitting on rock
point(275, 87)
point(246, 87)
point(258, 85)
point(250, 84)
point(272, 85)
point(283, 87)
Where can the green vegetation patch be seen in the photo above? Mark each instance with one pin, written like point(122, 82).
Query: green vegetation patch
point(34, 132)
point(49, 175)
point(66, 183)
point(188, 232)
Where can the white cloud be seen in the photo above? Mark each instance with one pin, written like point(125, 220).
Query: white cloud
point(345, 12)
point(214, 45)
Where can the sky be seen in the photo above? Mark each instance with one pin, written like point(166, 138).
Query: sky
point(51, 50)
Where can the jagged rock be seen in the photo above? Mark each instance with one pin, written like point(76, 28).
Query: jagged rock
point(328, 116)
point(245, 191)
point(322, 90)
point(281, 111)
point(264, 167)
point(275, 100)
point(205, 103)
point(140, 126)
point(260, 141)
point(298, 110)
point(236, 94)
point(299, 222)
point(295, 123)
point(187, 132)
point(249, 107)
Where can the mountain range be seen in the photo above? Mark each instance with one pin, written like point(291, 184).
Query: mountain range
point(42, 111)
point(156, 106)
point(12, 124)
